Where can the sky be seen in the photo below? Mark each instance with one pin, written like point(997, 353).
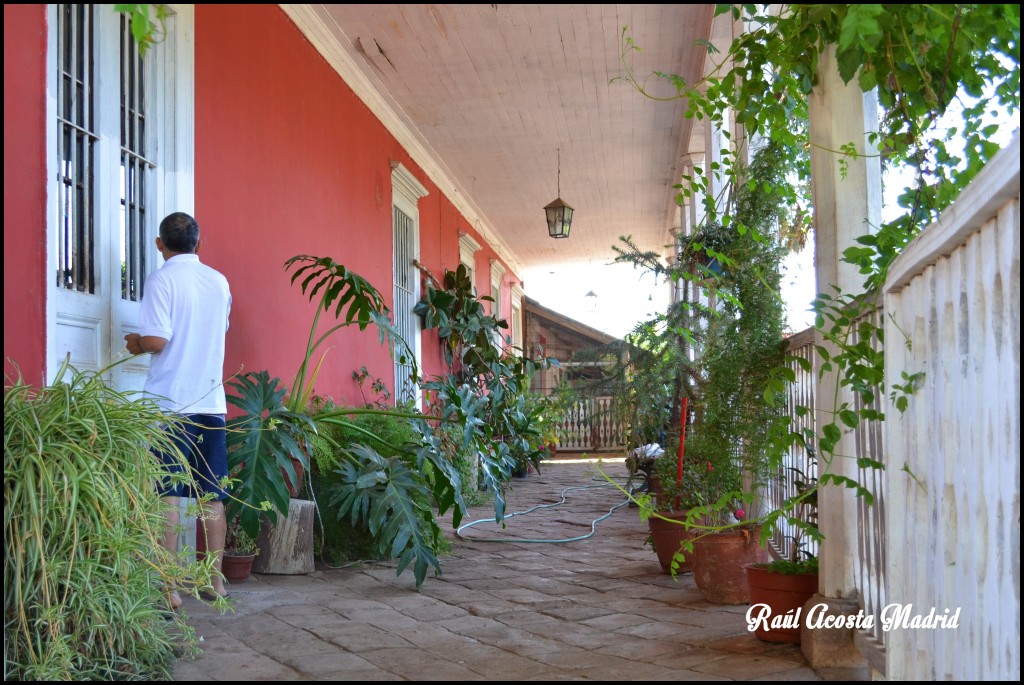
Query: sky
point(625, 296)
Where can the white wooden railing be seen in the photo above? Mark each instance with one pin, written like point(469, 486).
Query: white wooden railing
point(869, 567)
point(798, 463)
point(953, 515)
point(591, 425)
point(868, 437)
point(944, 529)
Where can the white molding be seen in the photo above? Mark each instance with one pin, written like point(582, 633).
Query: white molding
point(407, 185)
point(406, 191)
point(517, 296)
point(170, 83)
point(498, 270)
point(468, 247)
point(316, 24)
point(49, 84)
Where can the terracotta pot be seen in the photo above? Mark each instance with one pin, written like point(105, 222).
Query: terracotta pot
point(719, 565)
point(667, 537)
point(785, 595)
point(237, 567)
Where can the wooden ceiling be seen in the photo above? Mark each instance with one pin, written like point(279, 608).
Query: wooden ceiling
point(487, 97)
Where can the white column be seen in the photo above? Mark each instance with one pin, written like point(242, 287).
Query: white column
point(845, 207)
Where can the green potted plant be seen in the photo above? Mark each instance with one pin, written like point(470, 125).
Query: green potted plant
point(686, 487)
point(270, 439)
point(547, 411)
point(374, 482)
point(721, 540)
point(720, 352)
point(782, 587)
point(266, 442)
point(240, 552)
point(671, 501)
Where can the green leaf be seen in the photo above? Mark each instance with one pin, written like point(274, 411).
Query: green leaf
point(849, 418)
point(831, 432)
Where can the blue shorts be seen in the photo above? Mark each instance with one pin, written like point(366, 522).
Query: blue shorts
point(202, 439)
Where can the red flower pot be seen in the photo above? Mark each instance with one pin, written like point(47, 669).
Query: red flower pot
point(785, 595)
point(237, 567)
point(719, 564)
point(667, 537)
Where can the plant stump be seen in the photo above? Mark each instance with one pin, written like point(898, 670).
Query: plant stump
point(287, 548)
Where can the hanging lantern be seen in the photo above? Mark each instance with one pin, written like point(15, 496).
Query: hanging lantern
point(559, 217)
point(559, 214)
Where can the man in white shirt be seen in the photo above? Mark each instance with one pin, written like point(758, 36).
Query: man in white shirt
point(182, 323)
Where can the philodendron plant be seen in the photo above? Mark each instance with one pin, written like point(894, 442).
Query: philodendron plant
point(265, 442)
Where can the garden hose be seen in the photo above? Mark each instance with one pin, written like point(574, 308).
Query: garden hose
point(593, 524)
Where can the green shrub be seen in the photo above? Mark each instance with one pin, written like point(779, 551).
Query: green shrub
point(84, 570)
point(344, 539)
point(466, 463)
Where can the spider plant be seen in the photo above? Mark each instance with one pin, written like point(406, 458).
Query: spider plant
point(84, 570)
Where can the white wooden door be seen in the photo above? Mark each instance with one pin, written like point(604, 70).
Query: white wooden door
point(115, 124)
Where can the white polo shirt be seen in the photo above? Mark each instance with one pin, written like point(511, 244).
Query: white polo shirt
point(187, 303)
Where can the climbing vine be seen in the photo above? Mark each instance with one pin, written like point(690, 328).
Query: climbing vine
point(148, 23)
point(942, 73)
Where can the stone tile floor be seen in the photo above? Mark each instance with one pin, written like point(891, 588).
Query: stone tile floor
point(593, 609)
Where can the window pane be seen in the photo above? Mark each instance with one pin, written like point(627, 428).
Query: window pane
point(75, 149)
point(405, 320)
point(136, 169)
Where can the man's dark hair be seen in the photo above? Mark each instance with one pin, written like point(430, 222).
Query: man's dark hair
point(179, 233)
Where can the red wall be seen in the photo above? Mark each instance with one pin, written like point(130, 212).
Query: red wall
point(288, 162)
point(25, 191)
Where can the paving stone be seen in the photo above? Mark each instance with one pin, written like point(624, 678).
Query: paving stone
point(335, 661)
point(793, 675)
point(252, 667)
point(417, 664)
point(357, 638)
point(596, 609)
point(508, 667)
point(516, 641)
point(742, 644)
point(638, 649)
point(433, 637)
point(529, 620)
point(576, 613)
point(745, 668)
point(356, 676)
point(612, 622)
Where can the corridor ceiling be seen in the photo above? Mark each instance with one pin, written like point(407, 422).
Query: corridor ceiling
point(485, 97)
